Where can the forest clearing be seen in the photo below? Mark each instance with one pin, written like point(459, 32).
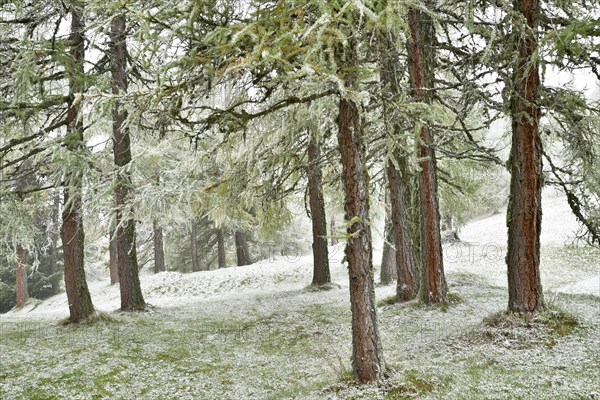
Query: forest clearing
point(258, 332)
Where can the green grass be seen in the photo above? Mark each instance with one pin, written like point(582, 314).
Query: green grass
point(297, 344)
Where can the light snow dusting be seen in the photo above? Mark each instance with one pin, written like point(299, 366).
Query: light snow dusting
point(258, 332)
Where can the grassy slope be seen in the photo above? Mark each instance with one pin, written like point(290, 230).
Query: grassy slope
point(256, 333)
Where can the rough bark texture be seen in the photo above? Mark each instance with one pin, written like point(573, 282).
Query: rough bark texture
point(524, 216)
point(221, 248)
point(388, 271)
point(367, 354)
point(321, 274)
point(194, 247)
point(72, 235)
point(420, 65)
point(241, 249)
point(416, 222)
point(113, 263)
point(159, 249)
point(129, 281)
point(21, 278)
point(406, 287)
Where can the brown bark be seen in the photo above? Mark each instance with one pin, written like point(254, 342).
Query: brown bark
point(72, 234)
point(321, 274)
point(113, 263)
point(524, 217)
point(194, 246)
point(241, 249)
point(388, 271)
point(129, 281)
point(420, 66)
point(367, 354)
point(21, 278)
point(221, 248)
point(406, 287)
point(159, 250)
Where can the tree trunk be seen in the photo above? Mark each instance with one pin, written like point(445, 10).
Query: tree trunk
point(416, 222)
point(131, 292)
point(241, 249)
point(406, 287)
point(321, 274)
point(194, 249)
point(221, 248)
point(54, 237)
point(367, 354)
point(72, 234)
point(159, 250)
point(524, 209)
point(21, 278)
point(388, 258)
point(420, 63)
point(113, 262)
point(333, 232)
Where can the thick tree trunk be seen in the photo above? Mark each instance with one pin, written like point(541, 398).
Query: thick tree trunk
point(221, 248)
point(159, 250)
point(388, 271)
point(241, 249)
point(72, 235)
point(21, 278)
point(420, 63)
point(113, 262)
point(406, 287)
point(321, 275)
point(78, 295)
point(131, 292)
point(524, 218)
point(367, 354)
point(194, 246)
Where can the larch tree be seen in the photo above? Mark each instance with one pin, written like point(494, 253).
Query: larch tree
point(241, 248)
point(72, 233)
point(524, 216)
point(194, 245)
point(113, 264)
point(367, 353)
point(129, 281)
point(396, 169)
point(421, 70)
point(221, 256)
point(159, 249)
point(388, 271)
point(321, 274)
point(22, 294)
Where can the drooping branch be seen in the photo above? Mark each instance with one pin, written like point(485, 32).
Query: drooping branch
point(574, 202)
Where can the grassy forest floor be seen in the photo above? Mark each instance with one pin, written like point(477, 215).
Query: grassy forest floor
point(257, 332)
